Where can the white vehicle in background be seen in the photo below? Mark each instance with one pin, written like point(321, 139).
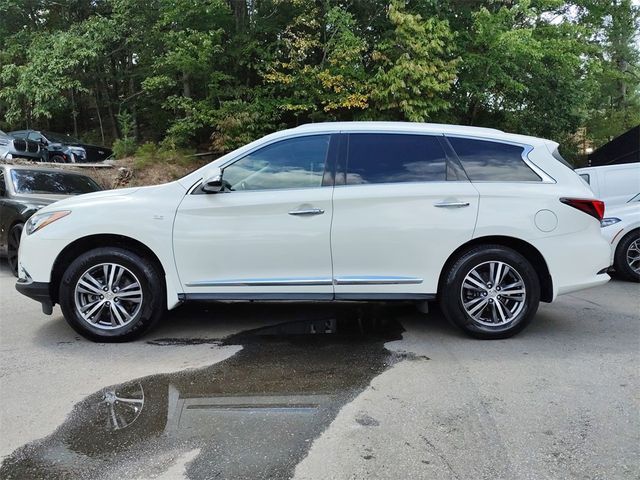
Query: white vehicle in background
point(613, 184)
point(486, 222)
point(621, 227)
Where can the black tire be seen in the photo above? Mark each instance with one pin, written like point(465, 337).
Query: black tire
point(13, 244)
point(623, 268)
point(451, 293)
point(57, 159)
point(153, 302)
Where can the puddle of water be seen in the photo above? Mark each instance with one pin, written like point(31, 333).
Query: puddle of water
point(253, 415)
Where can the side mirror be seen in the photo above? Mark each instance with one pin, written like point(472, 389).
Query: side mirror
point(213, 183)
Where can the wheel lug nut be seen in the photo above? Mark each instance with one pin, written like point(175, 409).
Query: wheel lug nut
point(101, 297)
point(105, 289)
point(484, 294)
point(490, 300)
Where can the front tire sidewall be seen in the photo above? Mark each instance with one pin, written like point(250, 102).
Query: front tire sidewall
point(153, 303)
point(451, 301)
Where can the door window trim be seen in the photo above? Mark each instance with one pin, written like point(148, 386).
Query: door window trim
point(527, 149)
point(328, 174)
point(451, 160)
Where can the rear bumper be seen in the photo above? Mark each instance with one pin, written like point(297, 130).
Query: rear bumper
point(38, 291)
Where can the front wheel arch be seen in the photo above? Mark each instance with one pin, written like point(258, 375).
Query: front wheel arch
point(84, 244)
point(523, 248)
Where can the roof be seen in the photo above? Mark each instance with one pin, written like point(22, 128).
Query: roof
point(437, 128)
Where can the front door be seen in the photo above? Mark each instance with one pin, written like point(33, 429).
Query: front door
point(266, 236)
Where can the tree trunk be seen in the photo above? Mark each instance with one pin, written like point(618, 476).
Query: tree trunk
point(240, 13)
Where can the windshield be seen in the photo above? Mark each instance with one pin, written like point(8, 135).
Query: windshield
point(57, 183)
point(60, 138)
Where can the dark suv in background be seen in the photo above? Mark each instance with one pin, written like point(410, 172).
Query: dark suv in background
point(12, 147)
point(60, 148)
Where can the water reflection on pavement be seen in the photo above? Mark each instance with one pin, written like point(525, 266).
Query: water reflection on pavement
point(253, 415)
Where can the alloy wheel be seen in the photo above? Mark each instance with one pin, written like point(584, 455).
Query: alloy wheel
point(633, 256)
point(493, 293)
point(108, 296)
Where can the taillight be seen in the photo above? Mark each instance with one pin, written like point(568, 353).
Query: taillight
point(595, 208)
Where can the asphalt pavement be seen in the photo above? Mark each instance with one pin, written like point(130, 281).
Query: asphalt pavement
point(317, 391)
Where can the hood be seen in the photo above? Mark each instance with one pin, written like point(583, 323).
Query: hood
point(39, 198)
point(71, 200)
point(621, 210)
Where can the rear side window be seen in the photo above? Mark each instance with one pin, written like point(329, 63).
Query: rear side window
point(492, 161)
point(394, 158)
point(586, 177)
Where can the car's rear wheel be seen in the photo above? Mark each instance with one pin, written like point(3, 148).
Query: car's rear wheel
point(112, 295)
point(490, 292)
point(57, 159)
point(627, 257)
point(13, 244)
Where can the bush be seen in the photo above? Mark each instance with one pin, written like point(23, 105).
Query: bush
point(150, 152)
point(124, 147)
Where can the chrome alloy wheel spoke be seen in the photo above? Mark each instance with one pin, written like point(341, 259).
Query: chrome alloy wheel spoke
point(633, 256)
point(493, 293)
point(108, 296)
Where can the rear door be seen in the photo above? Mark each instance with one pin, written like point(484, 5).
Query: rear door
point(402, 205)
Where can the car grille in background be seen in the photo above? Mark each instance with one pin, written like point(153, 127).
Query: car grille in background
point(33, 147)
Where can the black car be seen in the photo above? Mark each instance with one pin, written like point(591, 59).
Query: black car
point(25, 190)
point(11, 147)
point(62, 148)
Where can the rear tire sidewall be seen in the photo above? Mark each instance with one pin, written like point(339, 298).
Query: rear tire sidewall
point(451, 301)
point(623, 269)
point(57, 159)
point(151, 282)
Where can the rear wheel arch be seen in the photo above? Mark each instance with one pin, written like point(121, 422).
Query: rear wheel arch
point(84, 244)
point(531, 253)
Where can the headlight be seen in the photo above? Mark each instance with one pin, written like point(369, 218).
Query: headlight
point(41, 220)
point(606, 222)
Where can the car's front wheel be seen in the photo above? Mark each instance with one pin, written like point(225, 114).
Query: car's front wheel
point(112, 295)
point(490, 292)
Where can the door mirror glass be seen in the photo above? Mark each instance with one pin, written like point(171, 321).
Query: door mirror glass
point(213, 183)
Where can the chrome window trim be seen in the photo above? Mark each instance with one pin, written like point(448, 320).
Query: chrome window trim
point(544, 176)
point(243, 154)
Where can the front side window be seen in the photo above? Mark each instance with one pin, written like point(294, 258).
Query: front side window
point(294, 163)
point(34, 181)
point(35, 136)
point(488, 161)
point(394, 158)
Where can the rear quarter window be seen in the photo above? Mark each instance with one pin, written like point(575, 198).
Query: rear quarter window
point(489, 161)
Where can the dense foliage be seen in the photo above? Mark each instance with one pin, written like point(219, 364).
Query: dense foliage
point(218, 73)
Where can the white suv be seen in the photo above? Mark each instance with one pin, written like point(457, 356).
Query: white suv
point(486, 222)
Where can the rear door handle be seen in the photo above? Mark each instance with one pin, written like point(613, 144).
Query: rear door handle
point(451, 204)
point(307, 211)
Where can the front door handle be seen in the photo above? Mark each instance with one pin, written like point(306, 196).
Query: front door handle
point(307, 211)
point(451, 204)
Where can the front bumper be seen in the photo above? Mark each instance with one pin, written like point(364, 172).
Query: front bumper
point(38, 291)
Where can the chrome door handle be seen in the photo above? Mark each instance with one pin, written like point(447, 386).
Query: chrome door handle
point(451, 204)
point(308, 211)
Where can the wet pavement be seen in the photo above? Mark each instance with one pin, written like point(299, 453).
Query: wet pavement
point(254, 415)
point(317, 391)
